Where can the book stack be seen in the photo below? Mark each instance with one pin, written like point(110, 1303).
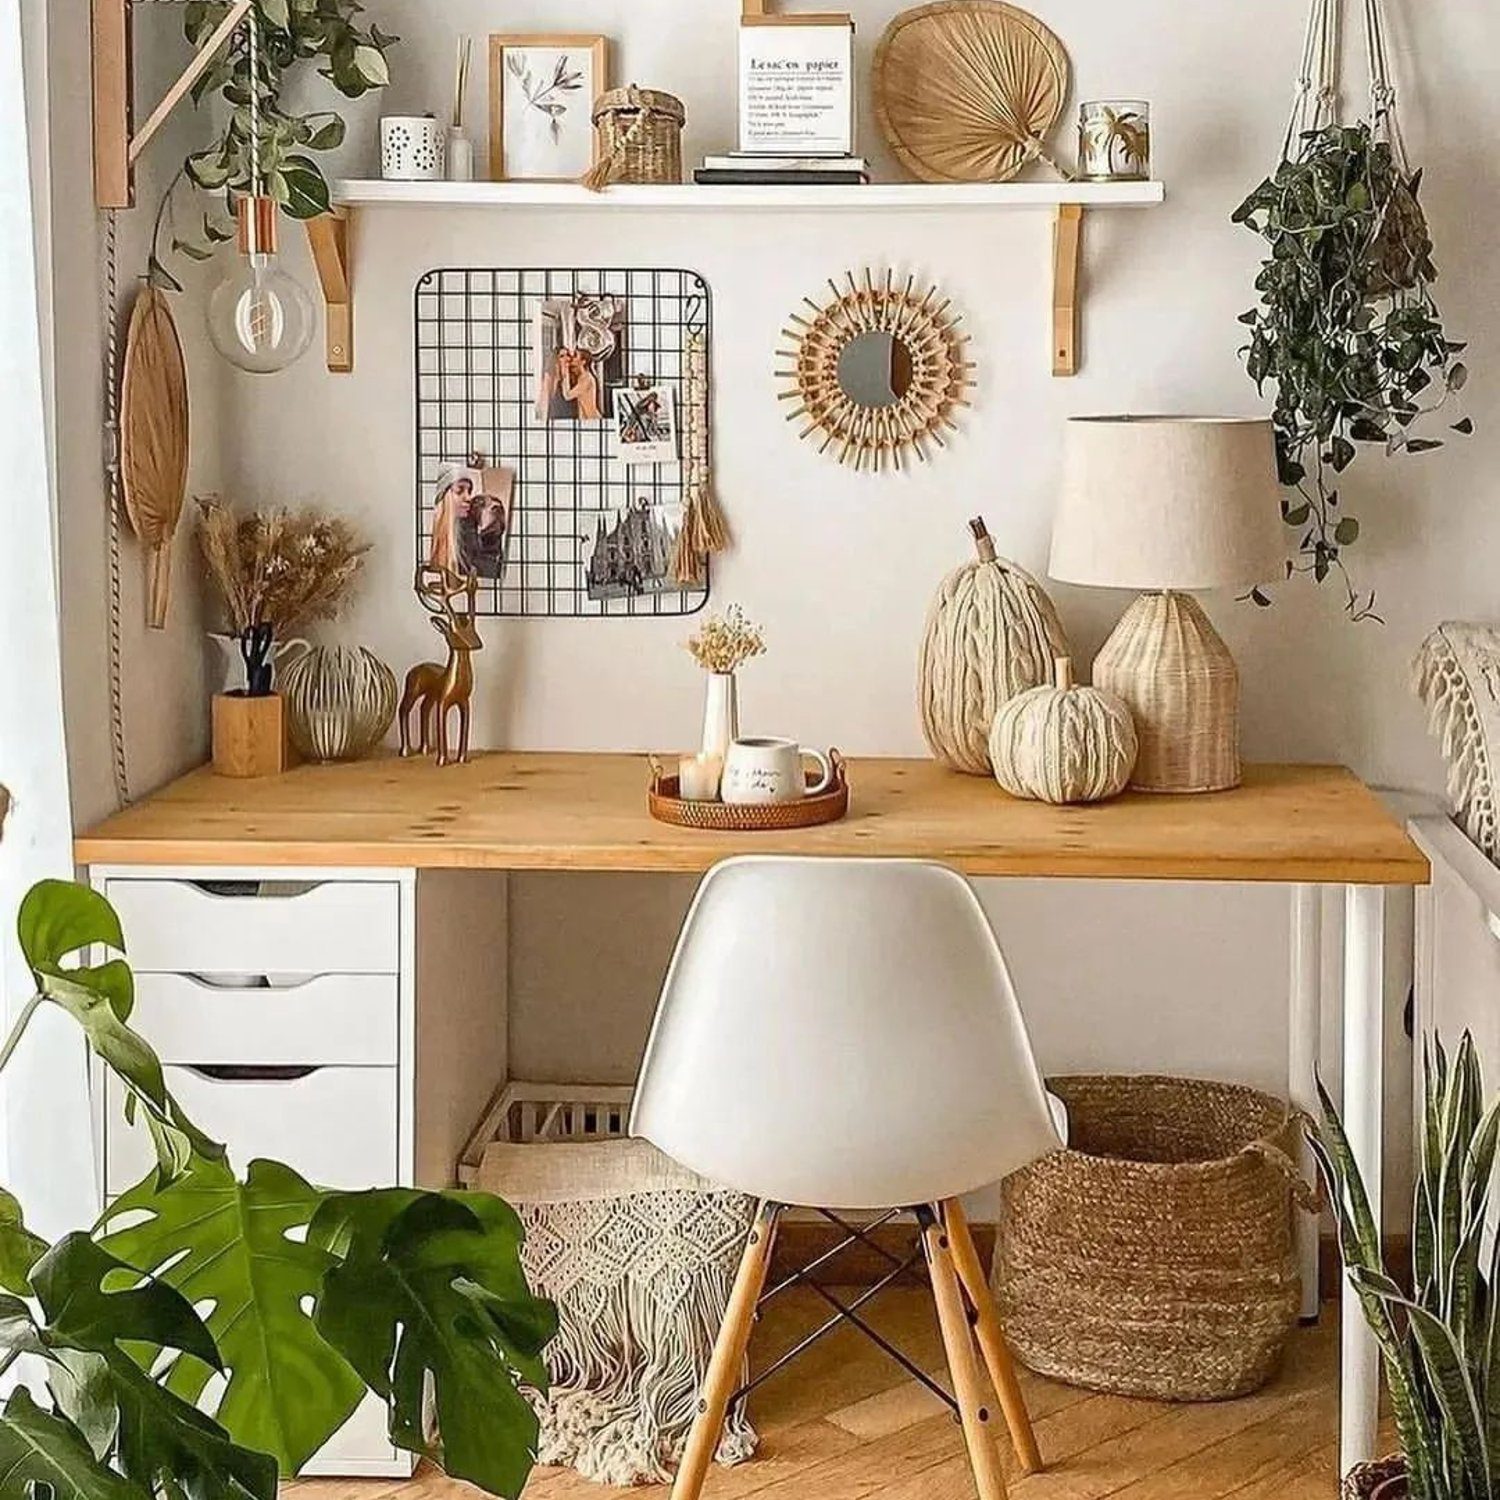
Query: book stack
point(753, 168)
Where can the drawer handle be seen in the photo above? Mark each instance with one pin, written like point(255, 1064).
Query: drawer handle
point(253, 1072)
point(261, 984)
point(237, 890)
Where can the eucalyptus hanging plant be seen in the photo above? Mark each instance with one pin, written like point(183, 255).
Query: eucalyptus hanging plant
point(1347, 330)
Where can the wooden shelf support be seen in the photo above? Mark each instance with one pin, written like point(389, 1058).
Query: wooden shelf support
point(117, 145)
point(1067, 248)
point(328, 238)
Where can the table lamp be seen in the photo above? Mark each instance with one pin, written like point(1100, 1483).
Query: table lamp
point(1169, 504)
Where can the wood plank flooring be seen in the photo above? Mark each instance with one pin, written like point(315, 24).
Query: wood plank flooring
point(844, 1423)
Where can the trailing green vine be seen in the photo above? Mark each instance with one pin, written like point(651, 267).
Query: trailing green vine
point(1347, 330)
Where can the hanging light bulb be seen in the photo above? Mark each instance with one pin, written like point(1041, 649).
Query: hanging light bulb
point(259, 318)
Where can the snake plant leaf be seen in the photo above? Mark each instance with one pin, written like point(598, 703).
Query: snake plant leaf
point(429, 1288)
point(288, 1390)
point(43, 1454)
point(20, 1249)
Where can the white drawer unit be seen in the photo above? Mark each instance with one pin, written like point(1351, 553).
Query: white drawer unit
point(248, 927)
point(336, 1126)
point(352, 1019)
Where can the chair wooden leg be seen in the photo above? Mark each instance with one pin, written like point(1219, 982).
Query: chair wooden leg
point(728, 1357)
point(958, 1342)
point(991, 1336)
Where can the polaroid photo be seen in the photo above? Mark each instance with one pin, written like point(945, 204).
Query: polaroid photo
point(645, 424)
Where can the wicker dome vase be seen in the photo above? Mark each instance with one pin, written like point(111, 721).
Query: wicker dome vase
point(340, 701)
point(992, 633)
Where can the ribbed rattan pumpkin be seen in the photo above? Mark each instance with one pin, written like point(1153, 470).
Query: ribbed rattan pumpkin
point(967, 90)
point(991, 633)
point(340, 701)
point(1063, 743)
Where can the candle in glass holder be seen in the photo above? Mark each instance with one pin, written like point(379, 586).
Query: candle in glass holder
point(698, 777)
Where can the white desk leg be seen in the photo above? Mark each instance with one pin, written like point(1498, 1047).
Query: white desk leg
point(1364, 1017)
point(1304, 1033)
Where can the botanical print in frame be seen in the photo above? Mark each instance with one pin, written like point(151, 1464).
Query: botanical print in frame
point(542, 93)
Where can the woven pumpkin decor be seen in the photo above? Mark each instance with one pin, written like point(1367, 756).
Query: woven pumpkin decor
point(991, 633)
point(1063, 743)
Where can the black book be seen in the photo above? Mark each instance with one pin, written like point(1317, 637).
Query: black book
point(746, 177)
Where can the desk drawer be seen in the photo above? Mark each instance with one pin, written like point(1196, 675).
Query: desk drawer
point(331, 927)
point(330, 1018)
point(336, 1126)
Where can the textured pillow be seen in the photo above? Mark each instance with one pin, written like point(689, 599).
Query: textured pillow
point(1457, 675)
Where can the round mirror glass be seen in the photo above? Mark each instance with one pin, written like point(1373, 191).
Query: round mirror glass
point(874, 368)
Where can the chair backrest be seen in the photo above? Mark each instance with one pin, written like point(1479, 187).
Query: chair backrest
point(841, 1033)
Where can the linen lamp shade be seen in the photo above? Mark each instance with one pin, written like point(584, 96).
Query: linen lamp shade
point(1168, 504)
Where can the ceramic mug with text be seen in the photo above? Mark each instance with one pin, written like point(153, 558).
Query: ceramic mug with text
point(770, 770)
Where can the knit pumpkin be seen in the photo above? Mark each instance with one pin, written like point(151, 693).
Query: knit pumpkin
point(991, 633)
point(1063, 743)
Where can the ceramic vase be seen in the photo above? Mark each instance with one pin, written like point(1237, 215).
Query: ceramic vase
point(340, 702)
point(721, 713)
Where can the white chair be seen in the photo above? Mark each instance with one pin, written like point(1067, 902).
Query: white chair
point(842, 1034)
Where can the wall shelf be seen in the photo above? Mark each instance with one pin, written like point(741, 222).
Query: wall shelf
point(1068, 202)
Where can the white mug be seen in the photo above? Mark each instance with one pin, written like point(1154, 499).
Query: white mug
point(769, 770)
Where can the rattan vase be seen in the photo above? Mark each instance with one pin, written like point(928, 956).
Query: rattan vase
point(1167, 663)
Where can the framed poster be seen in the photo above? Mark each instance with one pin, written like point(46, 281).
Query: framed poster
point(797, 85)
point(542, 92)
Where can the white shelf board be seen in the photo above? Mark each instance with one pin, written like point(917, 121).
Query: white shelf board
point(935, 197)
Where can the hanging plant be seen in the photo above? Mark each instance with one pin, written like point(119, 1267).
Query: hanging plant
point(293, 34)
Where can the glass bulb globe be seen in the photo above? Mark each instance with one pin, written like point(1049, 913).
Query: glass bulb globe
point(259, 318)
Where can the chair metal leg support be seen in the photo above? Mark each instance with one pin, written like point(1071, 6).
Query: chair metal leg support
point(728, 1356)
point(991, 1336)
point(958, 1341)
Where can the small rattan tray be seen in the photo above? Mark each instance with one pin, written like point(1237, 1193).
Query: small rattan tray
point(719, 817)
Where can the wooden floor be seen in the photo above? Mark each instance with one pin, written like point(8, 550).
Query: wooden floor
point(843, 1423)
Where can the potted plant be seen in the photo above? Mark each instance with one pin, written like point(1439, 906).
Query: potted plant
point(1439, 1335)
point(394, 1290)
point(1347, 330)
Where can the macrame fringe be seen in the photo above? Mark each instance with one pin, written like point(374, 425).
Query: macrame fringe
point(1440, 681)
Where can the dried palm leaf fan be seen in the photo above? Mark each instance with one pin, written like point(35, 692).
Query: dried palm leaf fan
point(967, 90)
point(154, 440)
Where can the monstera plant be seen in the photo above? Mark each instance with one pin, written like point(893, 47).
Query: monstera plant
point(214, 1330)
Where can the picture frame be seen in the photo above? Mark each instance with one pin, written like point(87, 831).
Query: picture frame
point(542, 91)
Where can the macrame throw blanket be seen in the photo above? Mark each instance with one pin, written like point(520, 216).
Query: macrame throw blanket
point(1457, 675)
point(639, 1254)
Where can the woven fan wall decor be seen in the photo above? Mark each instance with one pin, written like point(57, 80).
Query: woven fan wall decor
point(967, 90)
point(154, 440)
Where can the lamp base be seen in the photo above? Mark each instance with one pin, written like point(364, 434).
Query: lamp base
point(1181, 685)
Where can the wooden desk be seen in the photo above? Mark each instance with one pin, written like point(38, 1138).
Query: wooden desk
point(1304, 826)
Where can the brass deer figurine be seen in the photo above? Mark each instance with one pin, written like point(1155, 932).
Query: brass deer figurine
point(434, 689)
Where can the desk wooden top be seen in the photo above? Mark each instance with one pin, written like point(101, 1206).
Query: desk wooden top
point(520, 811)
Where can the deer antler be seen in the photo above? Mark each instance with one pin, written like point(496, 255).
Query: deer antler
point(438, 587)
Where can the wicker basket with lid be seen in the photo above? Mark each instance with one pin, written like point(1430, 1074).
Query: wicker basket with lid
point(640, 137)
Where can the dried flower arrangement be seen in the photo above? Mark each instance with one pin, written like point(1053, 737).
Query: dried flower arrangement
point(726, 642)
point(275, 570)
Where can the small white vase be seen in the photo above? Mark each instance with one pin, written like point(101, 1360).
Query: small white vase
point(721, 713)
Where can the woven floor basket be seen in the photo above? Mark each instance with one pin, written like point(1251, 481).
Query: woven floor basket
point(1155, 1257)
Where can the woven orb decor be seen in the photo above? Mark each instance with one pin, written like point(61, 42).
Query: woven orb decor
point(1063, 743)
point(340, 701)
point(967, 90)
point(991, 633)
point(928, 372)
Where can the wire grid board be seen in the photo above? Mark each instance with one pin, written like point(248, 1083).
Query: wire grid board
point(475, 389)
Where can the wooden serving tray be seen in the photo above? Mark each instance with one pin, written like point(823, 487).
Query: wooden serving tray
point(666, 806)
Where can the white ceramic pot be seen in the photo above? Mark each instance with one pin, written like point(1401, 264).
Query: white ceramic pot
point(413, 148)
point(770, 770)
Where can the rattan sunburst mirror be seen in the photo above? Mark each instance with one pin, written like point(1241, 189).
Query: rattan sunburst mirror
point(876, 373)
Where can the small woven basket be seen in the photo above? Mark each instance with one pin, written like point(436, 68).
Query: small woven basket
point(666, 804)
point(1155, 1256)
point(640, 137)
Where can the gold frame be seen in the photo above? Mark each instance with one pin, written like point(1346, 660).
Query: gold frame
point(871, 437)
point(500, 42)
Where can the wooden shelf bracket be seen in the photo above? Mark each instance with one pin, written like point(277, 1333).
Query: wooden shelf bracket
point(117, 144)
point(1067, 248)
point(328, 238)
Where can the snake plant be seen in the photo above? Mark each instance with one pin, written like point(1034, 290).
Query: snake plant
point(1439, 1339)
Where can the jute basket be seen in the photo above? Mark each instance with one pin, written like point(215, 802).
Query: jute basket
point(1155, 1256)
point(640, 137)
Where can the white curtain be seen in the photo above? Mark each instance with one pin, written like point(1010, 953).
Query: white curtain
point(45, 1155)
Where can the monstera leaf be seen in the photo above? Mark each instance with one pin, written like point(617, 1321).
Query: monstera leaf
point(430, 1286)
point(288, 1391)
point(94, 1303)
point(20, 1249)
point(58, 919)
point(44, 1454)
